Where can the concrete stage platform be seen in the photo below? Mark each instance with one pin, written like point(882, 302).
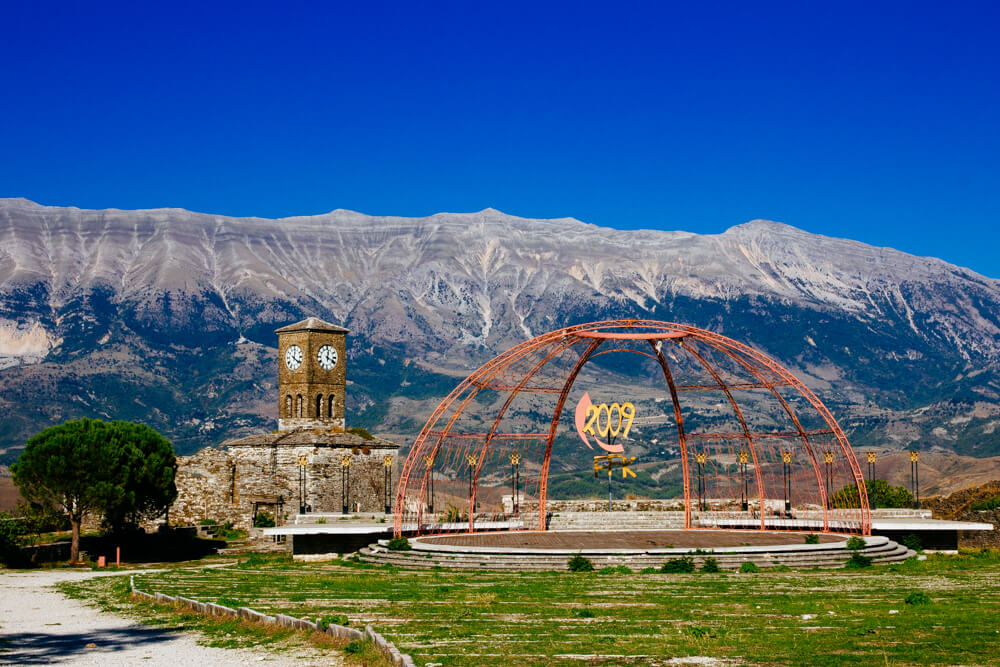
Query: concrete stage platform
point(345, 534)
point(635, 549)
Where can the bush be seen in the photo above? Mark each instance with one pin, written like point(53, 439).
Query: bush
point(207, 522)
point(615, 569)
point(857, 562)
point(580, 563)
point(682, 565)
point(263, 520)
point(583, 613)
point(988, 504)
point(749, 568)
point(455, 515)
point(710, 565)
point(11, 530)
point(917, 598)
point(648, 570)
point(911, 541)
point(361, 433)
point(228, 532)
point(856, 543)
point(812, 538)
point(399, 544)
point(354, 646)
point(334, 619)
point(880, 493)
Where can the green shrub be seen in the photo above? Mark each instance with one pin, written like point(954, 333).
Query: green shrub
point(263, 520)
point(580, 563)
point(880, 494)
point(710, 565)
point(615, 569)
point(856, 543)
point(583, 613)
point(11, 531)
point(648, 570)
point(917, 598)
point(987, 504)
point(700, 632)
point(749, 568)
point(857, 562)
point(812, 538)
point(455, 515)
point(231, 534)
point(682, 565)
point(333, 619)
point(911, 541)
point(399, 544)
point(207, 522)
point(354, 646)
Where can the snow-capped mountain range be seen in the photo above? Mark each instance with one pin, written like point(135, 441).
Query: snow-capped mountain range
point(167, 315)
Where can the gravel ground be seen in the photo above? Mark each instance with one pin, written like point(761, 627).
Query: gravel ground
point(38, 625)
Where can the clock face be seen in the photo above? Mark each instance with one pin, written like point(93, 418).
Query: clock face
point(327, 357)
point(293, 357)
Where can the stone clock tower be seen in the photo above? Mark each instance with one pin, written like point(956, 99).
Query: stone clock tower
point(312, 360)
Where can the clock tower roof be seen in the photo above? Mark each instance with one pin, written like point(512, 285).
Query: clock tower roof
point(312, 324)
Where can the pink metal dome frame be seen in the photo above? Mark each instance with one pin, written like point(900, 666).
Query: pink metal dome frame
point(517, 371)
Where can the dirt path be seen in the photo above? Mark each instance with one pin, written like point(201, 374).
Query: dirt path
point(38, 625)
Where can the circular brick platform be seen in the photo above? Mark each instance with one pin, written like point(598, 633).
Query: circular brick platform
point(625, 539)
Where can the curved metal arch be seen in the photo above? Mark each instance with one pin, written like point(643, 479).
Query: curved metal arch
point(594, 334)
point(739, 416)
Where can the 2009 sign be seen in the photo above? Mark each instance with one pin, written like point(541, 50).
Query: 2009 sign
point(615, 416)
point(603, 421)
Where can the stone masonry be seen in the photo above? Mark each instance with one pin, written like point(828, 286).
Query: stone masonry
point(305, 462)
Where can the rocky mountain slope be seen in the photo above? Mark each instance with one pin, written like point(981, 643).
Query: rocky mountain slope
point(167, 316)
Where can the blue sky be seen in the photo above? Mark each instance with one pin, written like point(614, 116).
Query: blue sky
point(872, 121)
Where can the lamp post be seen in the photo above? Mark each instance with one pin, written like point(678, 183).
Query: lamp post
point(915, 478)
point(701, 458)
point(387, 464)
point(871, 456)
point(429, 463)
point(745, 490)
point(472, 460)
point(828, 458)
point(515, 464)
point(302, 484)
point(345, 482)
point(786, 469)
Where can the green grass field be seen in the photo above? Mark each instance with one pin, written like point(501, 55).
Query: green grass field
point(492, 618)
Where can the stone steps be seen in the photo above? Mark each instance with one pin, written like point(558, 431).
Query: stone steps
point(833, 557)
point(613, 520)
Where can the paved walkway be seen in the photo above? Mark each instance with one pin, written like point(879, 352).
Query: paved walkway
point(38, 625)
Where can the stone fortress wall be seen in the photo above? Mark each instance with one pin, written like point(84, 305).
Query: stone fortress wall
point(227, 486)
